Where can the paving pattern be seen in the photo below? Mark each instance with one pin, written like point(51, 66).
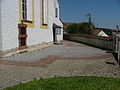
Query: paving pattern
point(67, 49)
point(67, 59)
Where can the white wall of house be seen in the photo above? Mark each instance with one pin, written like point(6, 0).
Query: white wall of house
point(9, 24)
point(10, 20)
point(0, 30)
point(54, 4)
point(60, 37)
point(102, 34)
point(38, 35)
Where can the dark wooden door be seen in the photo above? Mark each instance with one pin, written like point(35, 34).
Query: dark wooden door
point(22, 36)
point(54, 35)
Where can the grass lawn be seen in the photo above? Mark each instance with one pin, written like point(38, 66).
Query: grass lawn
point(71, 83)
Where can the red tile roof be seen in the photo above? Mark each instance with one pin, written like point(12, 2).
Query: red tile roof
point(96, 32)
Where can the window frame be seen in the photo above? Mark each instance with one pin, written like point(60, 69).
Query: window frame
point(30, 23)
point(44, 19)
point(44, 12)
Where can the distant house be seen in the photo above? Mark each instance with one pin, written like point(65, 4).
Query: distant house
point(106, 30)
point(28, 24)
point(99, 33)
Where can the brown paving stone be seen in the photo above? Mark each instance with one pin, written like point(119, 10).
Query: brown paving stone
point(89, 58)
point(73, 44)
point(41, 63)
point(70, 44)
point(66, 43)
point(49, 60)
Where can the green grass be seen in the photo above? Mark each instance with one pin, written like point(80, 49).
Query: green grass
point(70, 83)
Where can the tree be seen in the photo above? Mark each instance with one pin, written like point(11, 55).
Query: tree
point(89, 16)
point(81, 28)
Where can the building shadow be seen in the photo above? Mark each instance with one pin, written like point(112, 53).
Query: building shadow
point(115, 55)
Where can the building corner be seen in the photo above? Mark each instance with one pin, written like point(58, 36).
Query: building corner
point(0, 32)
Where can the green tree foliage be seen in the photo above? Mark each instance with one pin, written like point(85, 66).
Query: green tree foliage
point(81, 28)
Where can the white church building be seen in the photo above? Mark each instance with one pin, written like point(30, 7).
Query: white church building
point(27, 25)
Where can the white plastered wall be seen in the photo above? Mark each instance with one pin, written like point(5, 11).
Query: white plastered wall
point(38, 35)
point(9, 25)
point(53, 4)
point(0, 29)
point(10, 19)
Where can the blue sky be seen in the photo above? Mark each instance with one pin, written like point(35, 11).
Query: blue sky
point(105, 13)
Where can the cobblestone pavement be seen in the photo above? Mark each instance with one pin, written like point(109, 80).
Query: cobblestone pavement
point(68, 59)
point(67, 49)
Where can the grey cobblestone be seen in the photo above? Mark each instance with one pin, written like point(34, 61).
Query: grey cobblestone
point(64, 50)
point(13, 74)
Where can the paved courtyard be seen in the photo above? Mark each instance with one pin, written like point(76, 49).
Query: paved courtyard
point(67, 59)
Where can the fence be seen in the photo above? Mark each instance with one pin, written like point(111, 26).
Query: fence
point(100, 42)
point(108, 43)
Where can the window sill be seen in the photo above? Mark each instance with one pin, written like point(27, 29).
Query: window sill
point(44, 24)
point(27, 21)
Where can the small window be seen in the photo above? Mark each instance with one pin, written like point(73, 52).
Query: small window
point(24, 9)
point(56, 12)
point(56, 31)
point(59, 31)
